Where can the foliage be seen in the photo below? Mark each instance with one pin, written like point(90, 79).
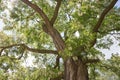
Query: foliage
point(75, 23)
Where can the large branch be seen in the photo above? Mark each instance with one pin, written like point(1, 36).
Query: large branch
point(48, 27)
point(56, 12)
point(102, 16)
point(39, 10)
point(29, 49)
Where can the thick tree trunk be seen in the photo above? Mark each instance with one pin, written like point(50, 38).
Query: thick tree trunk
point(75, 70)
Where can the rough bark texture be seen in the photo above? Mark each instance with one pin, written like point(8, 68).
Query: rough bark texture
point(57, 39)
point(75, 70)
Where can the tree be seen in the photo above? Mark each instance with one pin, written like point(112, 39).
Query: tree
point(69, 30)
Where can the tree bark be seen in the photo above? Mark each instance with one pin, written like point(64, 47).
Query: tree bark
point(75, 70)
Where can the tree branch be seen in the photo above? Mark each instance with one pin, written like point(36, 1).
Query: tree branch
point(108, 31)
point(55, 12)
point(1, 51)
point(57, 39)
point(94, 41)
point(92, 61)
point(39, 10)
point(29, 49)
point(102, 16)
point(100, 20)
point(57, 62)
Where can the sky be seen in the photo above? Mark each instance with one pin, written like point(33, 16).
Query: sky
point(1, 24)
point(118, 3)
point(107, 53)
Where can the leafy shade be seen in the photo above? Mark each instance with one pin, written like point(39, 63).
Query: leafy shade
point(61, 39)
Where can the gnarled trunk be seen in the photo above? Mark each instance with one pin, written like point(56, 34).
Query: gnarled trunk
point(75, 70)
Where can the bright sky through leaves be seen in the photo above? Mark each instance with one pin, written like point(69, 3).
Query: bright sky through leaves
point(118, 3)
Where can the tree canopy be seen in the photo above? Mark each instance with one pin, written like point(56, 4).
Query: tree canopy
point(59, 39)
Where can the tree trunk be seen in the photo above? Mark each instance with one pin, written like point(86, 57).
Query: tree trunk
point(75, 70)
